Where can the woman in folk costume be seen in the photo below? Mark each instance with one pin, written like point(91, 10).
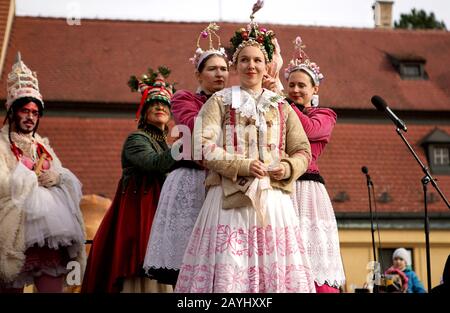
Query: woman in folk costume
point(317, 220)
point(246, 238)
point(183, 192)
point(41, 225)
point(118, 250)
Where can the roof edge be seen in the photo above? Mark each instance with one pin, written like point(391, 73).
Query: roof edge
point(392, 220)
point(416, 31)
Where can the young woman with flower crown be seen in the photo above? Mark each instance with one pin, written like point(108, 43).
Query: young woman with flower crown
point(183, 192)
point(246, 238)
point(318, 225)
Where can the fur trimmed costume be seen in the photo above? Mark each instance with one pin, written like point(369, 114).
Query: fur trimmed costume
point(22, 219)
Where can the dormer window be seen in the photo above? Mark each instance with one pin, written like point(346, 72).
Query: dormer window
point(410, 70)
point(341, 196)
point(409, 66)
point(384, 197)
point(437, 148)
point(440, 155)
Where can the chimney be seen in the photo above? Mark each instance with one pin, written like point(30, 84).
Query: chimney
point(383, 14)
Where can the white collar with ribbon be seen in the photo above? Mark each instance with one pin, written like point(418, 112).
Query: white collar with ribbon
point(249, 104)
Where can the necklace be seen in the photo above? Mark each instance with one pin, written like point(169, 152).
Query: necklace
point(160, 136)
point(26, 143)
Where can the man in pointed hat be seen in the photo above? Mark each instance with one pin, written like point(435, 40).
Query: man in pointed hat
point(41, 226)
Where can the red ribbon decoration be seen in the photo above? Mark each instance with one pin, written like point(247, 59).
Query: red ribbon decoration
point(141, 105)
point(18, 153)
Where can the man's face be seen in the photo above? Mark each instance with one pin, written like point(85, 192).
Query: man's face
point(27, 117)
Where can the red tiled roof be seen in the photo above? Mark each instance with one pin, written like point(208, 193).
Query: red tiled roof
point(91, 147)
point(92, 62)
point(391, 167)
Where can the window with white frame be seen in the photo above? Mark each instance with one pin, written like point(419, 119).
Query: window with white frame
point(441, 155)
point(437, 148)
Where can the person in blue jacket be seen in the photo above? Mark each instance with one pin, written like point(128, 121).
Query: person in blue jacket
point(400, 259)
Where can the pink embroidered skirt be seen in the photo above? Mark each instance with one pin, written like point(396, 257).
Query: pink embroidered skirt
point(231, 251)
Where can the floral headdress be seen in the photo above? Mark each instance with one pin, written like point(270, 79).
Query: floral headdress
point(301, 61)
point(22, 82)
point(153, 87)
point(253, 36)
point(201, 54)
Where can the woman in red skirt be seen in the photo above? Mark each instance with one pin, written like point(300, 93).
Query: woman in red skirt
point(117, 253)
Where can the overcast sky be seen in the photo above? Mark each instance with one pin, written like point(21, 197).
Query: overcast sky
point(347, 13)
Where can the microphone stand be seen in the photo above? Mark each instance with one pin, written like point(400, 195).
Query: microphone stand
point(372, 228)
point(369, 184)
point(425, 180)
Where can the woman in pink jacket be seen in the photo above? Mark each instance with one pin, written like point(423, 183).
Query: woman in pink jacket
point(183, 192)
point(317, 220)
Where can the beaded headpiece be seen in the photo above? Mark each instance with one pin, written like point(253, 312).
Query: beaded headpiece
point(253, 36)
point(22, 82)
point(153, 87)
point(201, 54)
point(301, 61)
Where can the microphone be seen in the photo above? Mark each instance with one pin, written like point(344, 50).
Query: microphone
point(365, 170)
point(381, 105)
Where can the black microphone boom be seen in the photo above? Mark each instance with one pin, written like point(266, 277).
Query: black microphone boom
point(381, 105)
